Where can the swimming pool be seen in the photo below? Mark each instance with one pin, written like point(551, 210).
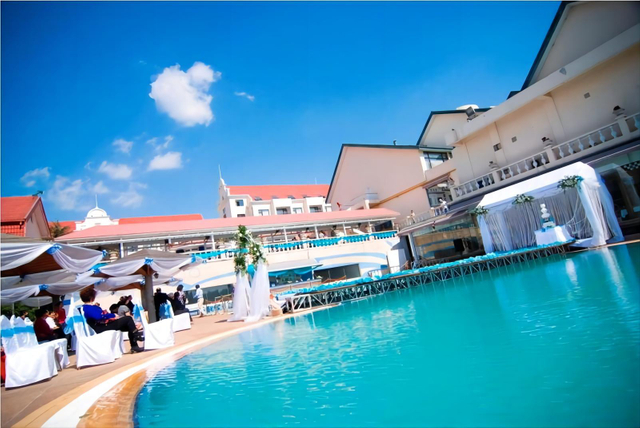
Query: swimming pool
point(554, 342)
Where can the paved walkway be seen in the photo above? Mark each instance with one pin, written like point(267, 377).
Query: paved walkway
point(17, 403)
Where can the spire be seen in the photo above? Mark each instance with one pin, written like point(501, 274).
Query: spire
point(96, 200)
point(219, 171)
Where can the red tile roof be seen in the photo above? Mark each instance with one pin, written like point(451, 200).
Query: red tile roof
point(17, 208)
point(209, 225)
point(13, 229)
point(160, 218)
point(298, 191)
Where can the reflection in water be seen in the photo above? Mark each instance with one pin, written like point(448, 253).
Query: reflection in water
point(554, 342)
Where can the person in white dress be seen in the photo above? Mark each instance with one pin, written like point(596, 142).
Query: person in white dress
point(200, 299)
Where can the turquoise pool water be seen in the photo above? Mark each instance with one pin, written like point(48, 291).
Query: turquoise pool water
point(555, 342)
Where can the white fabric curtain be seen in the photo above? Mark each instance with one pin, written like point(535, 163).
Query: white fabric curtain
point(73, 259)
point(15, 255)
point(487, 242)
point(587, 212)
point(167, 266)
point(17, 294)
point(259, 294)
point(240, 298)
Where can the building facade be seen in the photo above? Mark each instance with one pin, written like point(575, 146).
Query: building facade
point(266, 200)
point(301, 249)
point(24, 216)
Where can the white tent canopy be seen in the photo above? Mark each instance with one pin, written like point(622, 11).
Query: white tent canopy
point(73, 259)
point(587, 211)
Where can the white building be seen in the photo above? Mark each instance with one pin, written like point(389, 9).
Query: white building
point(250, 201)
point(579, 102)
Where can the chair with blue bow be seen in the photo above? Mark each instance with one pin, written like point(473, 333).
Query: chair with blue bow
point(25, 366)
point(180, 322)
point(92, 348)
point(157, 335)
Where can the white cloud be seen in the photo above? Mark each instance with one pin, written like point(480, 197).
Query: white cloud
point(67, 194)
point(30, 178)
point(100, 188)
point(247, 96)
point(131, 197)
point(87, 166)
point(115, 171)
point(160, 146)
point(170, 160)
point(123, 146)
point(183, 95)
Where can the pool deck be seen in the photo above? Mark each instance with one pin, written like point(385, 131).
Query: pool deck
point(33, 405)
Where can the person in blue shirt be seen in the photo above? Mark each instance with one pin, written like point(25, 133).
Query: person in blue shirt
point(101, 321)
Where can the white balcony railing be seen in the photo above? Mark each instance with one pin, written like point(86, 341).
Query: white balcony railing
point(620, 131)
point(230, 253)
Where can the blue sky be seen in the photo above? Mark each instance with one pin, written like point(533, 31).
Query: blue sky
point(276, 90)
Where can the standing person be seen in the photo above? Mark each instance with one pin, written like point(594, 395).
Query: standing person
point(181, 296)
point(158, 299)
point(129, 303)
point(200, 299)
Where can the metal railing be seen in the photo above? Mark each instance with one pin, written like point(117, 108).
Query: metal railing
point(565, 152)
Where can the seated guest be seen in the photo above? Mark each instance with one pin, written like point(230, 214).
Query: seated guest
point(24, 315)
point(129, 303)
point(123, 310)
point(100, 321)
point(178, 306)
point(114, 309)
point(60, 312)
point(44, 332)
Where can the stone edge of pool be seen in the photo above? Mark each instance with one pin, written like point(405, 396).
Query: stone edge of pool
point(111, 397)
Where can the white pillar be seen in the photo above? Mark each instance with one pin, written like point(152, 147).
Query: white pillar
point(286, 240)
point(121, 250)
point(316, 229)
point(344, 228)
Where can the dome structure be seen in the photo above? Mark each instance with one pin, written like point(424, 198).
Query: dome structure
point(96, 217)
point(97, 213)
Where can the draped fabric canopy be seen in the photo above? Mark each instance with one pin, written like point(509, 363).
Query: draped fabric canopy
point(18, 258)
point(586, 211)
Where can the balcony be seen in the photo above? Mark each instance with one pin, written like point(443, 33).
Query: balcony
point(622, 130)
point(229, 253)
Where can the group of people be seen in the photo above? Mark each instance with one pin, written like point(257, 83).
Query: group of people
point(49, 324)
point(177, 300)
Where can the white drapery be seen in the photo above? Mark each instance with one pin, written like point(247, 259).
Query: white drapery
point(587, 212)
point(12, 295)
point(240, 298)
point(259, 294)
point(73, 259)
point(168, 266)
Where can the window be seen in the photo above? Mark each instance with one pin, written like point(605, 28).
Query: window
point(281, 211)
point(263, 212)
point(239, 203)
point(240, 215)
point(433, 159)
point(257, 198)
point(291, 197)
point(497, 147)
point(315, 209)
point(297, 210)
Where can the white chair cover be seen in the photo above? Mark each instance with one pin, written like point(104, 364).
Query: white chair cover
point(180, 322)
point(92, 348)
point(25, 366)
point(157, 335)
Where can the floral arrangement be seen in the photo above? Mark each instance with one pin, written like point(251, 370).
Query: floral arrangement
point(479, 211)
point(243, 241)
point(521, 199)
point(247, 246)
point(570, 182)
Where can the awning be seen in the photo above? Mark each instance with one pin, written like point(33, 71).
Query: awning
point(295, 264)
